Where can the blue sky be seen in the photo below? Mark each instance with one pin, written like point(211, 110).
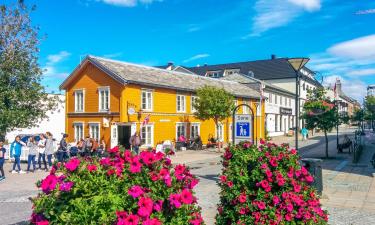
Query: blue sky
point(338, 35)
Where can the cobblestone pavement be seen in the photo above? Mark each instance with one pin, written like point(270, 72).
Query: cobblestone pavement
point(349, 189)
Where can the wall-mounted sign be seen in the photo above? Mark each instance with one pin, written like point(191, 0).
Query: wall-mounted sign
point(243, 127)
point(105, 122)
point(131, 111)
point(285, 111)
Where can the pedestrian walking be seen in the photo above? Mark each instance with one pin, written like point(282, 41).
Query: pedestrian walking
point(49, 148)
point(135, 142)
point(15, 151)
point(2, 160)
point(33, 151)
point(42, 152)
point(62, 152)
point(87, 146)
point(304, 133)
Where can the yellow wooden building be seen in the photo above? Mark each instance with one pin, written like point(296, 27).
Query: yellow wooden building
point(109, 100)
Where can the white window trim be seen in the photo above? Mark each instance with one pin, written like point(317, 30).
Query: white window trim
point(192, 109)
point(83, 100)
point(222, 132)
point(185, 126)
point(94, 123)
point(184, 96)
point(191, 128)
point(152, 135)
point(152, 100)
point(100, 99)
point(83, 129)
point(245, 108)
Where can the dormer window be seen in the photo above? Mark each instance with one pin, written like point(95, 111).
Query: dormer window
point(213, 74)
point(231, 71)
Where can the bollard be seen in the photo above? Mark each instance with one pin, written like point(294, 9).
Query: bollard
point(314, 166)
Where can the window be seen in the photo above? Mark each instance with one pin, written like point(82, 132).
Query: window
point(180, 130)
point(270, 98)
point(281, 100)
point(194, 130)
point(304, 87)
point(276, 123)
point(103, 98)
point(276, 97)
point(245, 109)
point(94, 130)
point(286, 101)
point(181, 103)
point(231, 71)
point(78, 131)
point(213, 74)
point(220, 129)
point(193, 100)
point(79, 97)
point(147, 100)
point(147, 134)
point(290, 102)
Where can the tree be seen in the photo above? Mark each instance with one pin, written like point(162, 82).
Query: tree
point(320, 112)
point(213, 103)
point(370, 109)
point(23, 101)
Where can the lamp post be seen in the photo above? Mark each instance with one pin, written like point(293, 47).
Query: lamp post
point(297, 64)
point(337, 102)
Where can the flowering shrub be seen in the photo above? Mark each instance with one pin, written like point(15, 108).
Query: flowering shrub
point(122, 189)
point(266, 185)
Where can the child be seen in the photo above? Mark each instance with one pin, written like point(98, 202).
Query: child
point(2, 156)
point(15, 151)
point(33, 150)
point(42, 153)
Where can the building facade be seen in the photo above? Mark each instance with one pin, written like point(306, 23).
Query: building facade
point(371, 90)
point(111, 100)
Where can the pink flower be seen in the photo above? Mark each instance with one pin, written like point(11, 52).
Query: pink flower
point(273, 161)
point(297, 188)
point(186, 197)
point(135, 191)
point(227, 155)
point(174, 200)
point(114, 149)
point(73, 164)
point(288, 217)
point(289, 207)
point(145, 206)
point(223, 179)
point(293, 152)
point(129, 220)
point(179, 171)
point(127, 155)
point(91, 167)
point(147, 157)
point(44, 222)
point(66, 186)
point(135, 165)
point(230, 184)
point(261, 205)
point(309, 179)
point(242, 198)
point(262, 141)
point(268, 173)
point(193, 182)
point(105, 162)
point(158, 205)
point(49, 183)
point(242, 211)
point(275, 200)
point(153, 221)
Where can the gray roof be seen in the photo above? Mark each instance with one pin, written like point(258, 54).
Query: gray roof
point(155, 77)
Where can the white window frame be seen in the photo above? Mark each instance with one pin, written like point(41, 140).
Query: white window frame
point(245, 109)
point(96, 124)
point(192, 109)
point(100, 90)
point(151, 126)
point(185, 130)
point(198, 125)
point(220, 139)
point(276, 97)
point(270, 98)
point(231, 71)
point(76, 136)
point(214, 74)
point(76, 103)
point(179, 98)
point(149, 102)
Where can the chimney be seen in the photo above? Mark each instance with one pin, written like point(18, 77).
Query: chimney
point(273, 56)
point(338, 87)
point(170, 63)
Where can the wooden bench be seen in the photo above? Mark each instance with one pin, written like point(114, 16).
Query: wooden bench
point(373, 160)
point(346, 144)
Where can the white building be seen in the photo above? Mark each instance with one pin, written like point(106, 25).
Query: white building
point(54, 123)
point(371, 90)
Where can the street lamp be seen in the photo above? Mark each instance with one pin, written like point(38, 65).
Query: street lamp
point(337, 103)
point(297, 64)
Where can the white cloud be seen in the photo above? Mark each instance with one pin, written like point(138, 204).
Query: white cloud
point(278, 13)
point(50, 69)
point(364, 12)
point(199, 56)
point(128, 3)
point(359, 48)
point(354, 88)
point(55, 58)
point(362, 72)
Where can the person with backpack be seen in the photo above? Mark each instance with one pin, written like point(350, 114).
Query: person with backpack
point(87, 146)
point(15, 151)
point(42, 152)
point(2, 160)
point(62, 152)
point(49, 148)
point(33, 151)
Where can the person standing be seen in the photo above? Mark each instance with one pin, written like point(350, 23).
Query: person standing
point(63, 149)
point(87, 146)
point(304, 133)
point(33, 150)
point(15, 151)
point(2, 160)
point(42, 152)
point(135, 142)
point(49, 148)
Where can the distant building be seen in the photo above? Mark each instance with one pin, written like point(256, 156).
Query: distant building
point(54, 123)
point(371, 90)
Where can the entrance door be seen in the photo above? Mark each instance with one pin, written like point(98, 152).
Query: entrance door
point(124, 134)
point(114, 136)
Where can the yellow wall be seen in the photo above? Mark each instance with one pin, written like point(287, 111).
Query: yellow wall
point(164, 115)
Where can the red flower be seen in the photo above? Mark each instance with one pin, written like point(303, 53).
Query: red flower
point(73, 164)
point(145, 206)
point(147, 157)
point(174, 200)
point(223, 178)
point(91, 167)
point(114, 149)
point(242, 198)
point(135, 165)
point(230, 184)
point(135, 191)
point(186, 197)
point(153, 221)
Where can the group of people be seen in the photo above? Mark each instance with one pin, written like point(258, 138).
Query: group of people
point(87, 147)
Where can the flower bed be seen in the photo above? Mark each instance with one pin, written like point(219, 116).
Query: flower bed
point(122, 189)
point(266, 185)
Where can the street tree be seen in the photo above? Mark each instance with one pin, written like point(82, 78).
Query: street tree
point(23, 100)
point(321, 113)
point(213, 103)
point(370, 109)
